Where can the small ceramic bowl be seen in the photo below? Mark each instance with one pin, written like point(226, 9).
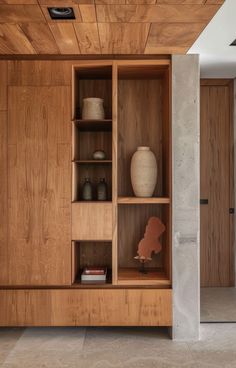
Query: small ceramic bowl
point(99, 155)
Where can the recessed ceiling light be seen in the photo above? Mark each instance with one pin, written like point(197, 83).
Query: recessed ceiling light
point(233, 43)
point(61, 13)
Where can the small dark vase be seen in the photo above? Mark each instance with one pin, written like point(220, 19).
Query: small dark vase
point(87, 190)
point(102, 190)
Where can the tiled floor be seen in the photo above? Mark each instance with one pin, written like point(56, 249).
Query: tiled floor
point(218, 304)
point(116, 348)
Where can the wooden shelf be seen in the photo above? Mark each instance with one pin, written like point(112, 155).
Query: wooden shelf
point(92, 201)
point(137, 200)
point(91, 162)
point(79, 285)
point(94, 125)
point(132, 276)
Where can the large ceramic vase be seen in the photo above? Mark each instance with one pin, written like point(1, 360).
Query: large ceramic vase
point(143, 172)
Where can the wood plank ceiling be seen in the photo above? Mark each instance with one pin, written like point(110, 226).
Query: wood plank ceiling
point(104, 26)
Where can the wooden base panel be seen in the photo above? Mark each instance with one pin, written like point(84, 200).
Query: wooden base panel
point(66, 307)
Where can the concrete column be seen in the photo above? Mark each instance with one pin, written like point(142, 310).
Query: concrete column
point(186, 196)
point(235, 177)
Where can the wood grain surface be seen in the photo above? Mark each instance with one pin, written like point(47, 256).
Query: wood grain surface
point(217, 266)
point(83, 307)
point(103, 26)
point(92, 221)
point(39, 195)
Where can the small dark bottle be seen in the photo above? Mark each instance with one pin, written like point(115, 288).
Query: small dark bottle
point(102, 190)
point(87, 190)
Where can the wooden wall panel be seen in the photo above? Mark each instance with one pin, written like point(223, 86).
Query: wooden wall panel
point(83, 307)
point(217, 267)
point(40, 73)
point(39, 194)
point(3, 169)
point(3, 196)
point(3, 85)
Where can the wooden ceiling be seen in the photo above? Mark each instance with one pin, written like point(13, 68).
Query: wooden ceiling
point(104, 26)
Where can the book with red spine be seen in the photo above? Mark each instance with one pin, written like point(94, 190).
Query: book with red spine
point(94, 275)
point(95, 270)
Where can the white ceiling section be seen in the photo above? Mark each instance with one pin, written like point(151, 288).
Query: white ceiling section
point(217, 58)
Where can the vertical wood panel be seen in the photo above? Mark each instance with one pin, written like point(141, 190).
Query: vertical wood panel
point(3, 195)
point(216, 243)
point(39, 73)
point(114, 172)
point(39, 149)
point(3, 169)
point(3, 85)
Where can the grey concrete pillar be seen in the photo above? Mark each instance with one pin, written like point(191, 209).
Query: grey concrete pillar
point(186, 189)
point(235, 176)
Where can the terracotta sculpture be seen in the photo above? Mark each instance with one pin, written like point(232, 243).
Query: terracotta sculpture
point(150, 243)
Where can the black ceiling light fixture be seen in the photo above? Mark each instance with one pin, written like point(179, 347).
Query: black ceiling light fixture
point(61, 12)
point(233, 43)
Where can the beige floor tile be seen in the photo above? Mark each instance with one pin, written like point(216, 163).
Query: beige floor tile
point(8, 339)
point(218, 304)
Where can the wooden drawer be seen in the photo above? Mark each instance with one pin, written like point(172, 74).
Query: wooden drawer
point(92, 221)
point(90, 307)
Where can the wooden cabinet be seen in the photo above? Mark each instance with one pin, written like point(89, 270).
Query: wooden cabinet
point(50, 232)
point(39, 190)
point(63, 307)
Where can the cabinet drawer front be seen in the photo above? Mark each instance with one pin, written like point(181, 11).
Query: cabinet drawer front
point(101, 307)
point(91, 221)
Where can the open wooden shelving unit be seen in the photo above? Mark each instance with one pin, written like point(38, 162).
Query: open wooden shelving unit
point(137, 113)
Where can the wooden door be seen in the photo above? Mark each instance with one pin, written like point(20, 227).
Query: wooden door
point(39, 187)
point(217, 265)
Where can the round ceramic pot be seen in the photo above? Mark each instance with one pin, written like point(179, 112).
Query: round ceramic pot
point(93, 109)
point(143, 172)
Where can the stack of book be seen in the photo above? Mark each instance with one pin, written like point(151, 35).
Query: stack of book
point(94, 275)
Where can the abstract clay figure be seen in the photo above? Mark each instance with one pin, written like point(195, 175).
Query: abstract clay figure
point(150, 242)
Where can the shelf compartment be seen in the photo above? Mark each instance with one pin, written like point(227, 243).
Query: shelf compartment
point(94, 125)
point(132, 221)
point(92, 221)
point(94, 172)
point(91, 253)
point(143, 121)
point(86, 142)
point(132, 276)
point(92, 81)
point(138, 200)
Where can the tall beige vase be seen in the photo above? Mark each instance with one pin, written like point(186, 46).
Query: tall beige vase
point(143, 172)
